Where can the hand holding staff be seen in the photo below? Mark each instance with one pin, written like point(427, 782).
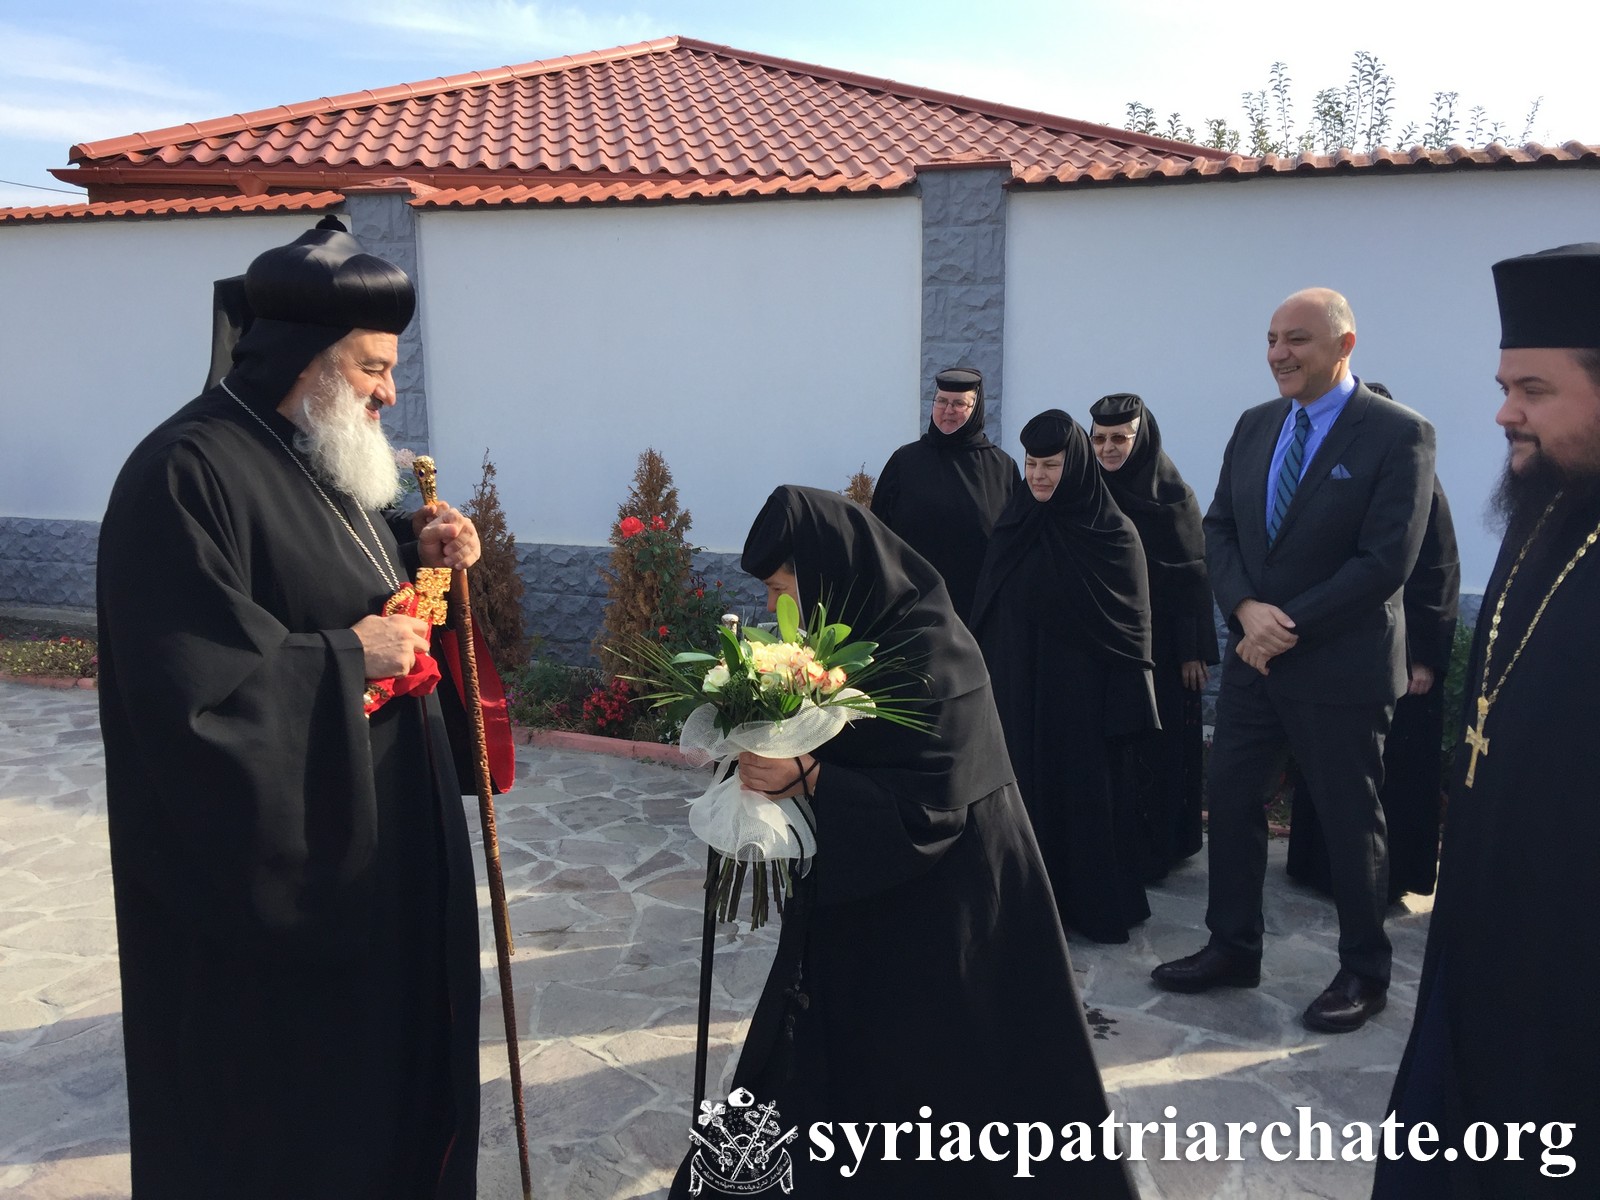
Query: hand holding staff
point(461, 602)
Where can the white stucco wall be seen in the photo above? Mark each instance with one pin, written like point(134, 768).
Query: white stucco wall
point(105, 329)
point(1167, 292)
point(751, 344)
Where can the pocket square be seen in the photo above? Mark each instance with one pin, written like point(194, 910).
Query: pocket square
point(1339, 472)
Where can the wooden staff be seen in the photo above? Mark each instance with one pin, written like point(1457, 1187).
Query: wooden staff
point(461, 604)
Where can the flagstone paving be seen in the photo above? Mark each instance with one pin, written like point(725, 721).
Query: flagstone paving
point(604, 883)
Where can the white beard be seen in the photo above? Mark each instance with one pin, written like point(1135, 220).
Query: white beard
point(347, 448)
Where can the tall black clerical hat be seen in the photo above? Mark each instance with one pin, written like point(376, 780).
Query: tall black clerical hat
point(324, 277)
point(1119, 408)
point(1550, 299)
point(959, 379)
point(295, 301)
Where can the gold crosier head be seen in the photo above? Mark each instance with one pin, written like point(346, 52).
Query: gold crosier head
point(433, 583)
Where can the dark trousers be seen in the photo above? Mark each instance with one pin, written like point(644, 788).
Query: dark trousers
point(1340, 749)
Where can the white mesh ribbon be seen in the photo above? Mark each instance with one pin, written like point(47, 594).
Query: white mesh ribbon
point(746, 825)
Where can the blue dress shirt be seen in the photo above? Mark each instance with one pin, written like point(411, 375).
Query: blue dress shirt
point(1322, 412)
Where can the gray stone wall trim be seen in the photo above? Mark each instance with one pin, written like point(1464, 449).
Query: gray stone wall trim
point(386, 225)
point(964, 276)
point(49, 562)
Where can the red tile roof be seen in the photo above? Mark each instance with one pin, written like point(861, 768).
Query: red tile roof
point(673, 110)
point(673, 119)
point(1381, 161)
point(289, 202)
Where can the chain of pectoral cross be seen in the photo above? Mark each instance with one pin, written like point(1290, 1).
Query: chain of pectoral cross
point(1475, 738)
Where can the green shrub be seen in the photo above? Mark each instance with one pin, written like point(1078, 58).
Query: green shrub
point(496, 586)
point(653, 590)
point(548, 695)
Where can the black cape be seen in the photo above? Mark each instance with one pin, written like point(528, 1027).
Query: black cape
point(921, 962)
point(1412, 793)
point(1062, 613)
point(1170, 763)
point(296, 912)
point(942, 494)
point(1505, 1028)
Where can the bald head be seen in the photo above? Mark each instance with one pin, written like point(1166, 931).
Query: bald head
point(1309, 343)
point(1335, 306)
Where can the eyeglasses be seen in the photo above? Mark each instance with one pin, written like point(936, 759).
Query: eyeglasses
point(960, 405)
point(1118, 440)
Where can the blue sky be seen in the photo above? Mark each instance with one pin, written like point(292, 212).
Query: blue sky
point(91, 69)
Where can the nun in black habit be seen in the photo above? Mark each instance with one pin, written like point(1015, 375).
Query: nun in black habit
point(1063, 615)
point(1169, 764)
point(922, 968)
point(943, 492)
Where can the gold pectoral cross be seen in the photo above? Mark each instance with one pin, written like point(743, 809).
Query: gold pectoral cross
point(1475, 739)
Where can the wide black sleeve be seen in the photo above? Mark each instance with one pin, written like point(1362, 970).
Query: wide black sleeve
point(239, 771)
point(1433, 592)
point(886, 492)
point(869, 840)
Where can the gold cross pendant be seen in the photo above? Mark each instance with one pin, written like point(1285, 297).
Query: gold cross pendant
point(1475, 739)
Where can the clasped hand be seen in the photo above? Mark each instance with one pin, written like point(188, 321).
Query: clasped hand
point(391, 644)
point(777, 778)
point(445, 537)
point(1268, 632)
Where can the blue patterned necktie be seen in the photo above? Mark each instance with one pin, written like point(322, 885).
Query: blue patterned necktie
point(1289, 473)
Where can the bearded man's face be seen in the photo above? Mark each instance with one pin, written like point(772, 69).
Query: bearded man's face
point(344, 392)
point(1551, 418)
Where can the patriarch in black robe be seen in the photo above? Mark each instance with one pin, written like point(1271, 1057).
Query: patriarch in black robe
point(1063, 616)
point(943, 493)
point(921, 968)
point(296, 912)
point(1412, 794)
point(1170, 764)
point(1505, 1019)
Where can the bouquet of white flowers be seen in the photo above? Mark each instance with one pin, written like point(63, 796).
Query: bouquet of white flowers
point(779, 696)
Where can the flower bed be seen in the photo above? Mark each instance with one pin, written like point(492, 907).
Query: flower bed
point(51, 653)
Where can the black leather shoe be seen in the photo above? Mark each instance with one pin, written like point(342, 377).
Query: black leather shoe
point(1206, 970)
point(1349, 1000)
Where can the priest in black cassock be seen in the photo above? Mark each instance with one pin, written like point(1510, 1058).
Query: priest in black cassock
point(922, 976)
point(296, 912)
point(1505, 1025)
point(1063, 616)
point(1169, 763)
point(943, 493)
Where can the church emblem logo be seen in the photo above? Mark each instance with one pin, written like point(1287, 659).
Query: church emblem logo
point(739, 1148)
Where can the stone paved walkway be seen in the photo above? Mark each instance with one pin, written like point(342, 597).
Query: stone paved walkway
point(605, 894)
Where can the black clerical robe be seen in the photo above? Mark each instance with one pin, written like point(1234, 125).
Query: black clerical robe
point(1169, 764)
point(921, 964)
point(1063, 616)
point(295, 904)
point(942, 495)
point(1505, 1027)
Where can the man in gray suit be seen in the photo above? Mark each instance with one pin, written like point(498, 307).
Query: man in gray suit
point(1317, 520)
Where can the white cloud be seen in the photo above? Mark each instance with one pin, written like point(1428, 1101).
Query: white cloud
point(67, 122)
point(47, 58)
point(507, 30)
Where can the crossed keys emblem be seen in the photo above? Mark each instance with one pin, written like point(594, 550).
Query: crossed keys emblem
point(742, 1150)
